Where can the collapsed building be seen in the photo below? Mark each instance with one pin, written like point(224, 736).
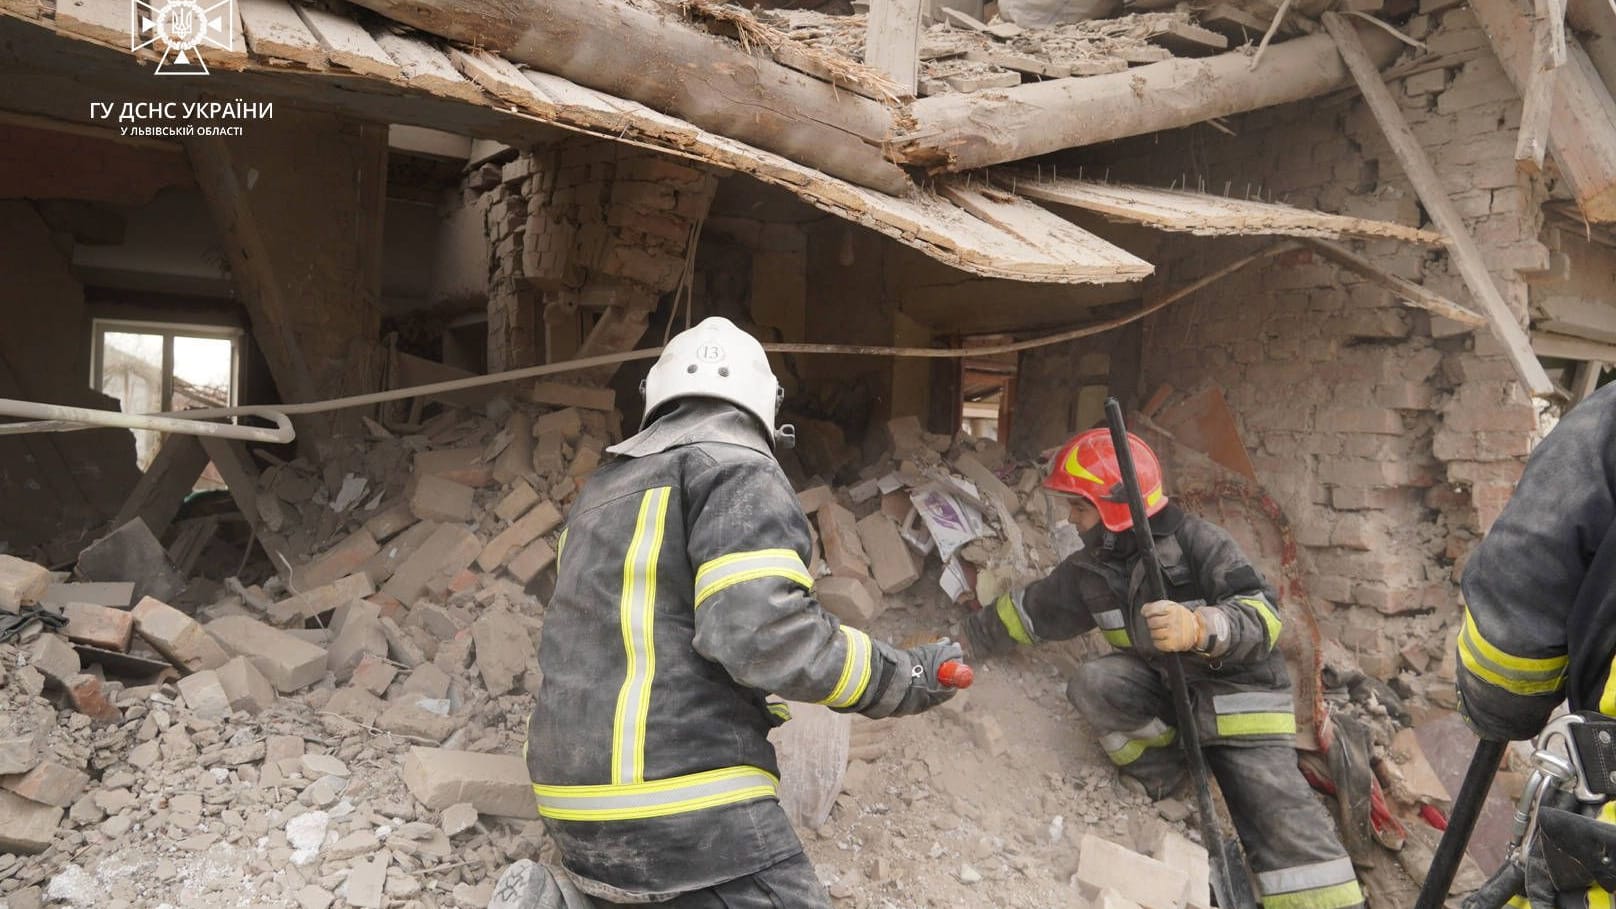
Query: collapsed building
point(1320, 253)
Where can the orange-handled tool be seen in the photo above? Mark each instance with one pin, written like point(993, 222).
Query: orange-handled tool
point(955, 674)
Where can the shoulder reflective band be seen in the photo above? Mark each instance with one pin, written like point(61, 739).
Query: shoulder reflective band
point(1514, 674)
point(855, 675)
point(1329, 884)
point(636, 611)
point(656, 798)
point(1255, 713)
point(739, 567)
point(1114, 627)
point(1014, 620)
point(1269, 617)
point(1123, 748)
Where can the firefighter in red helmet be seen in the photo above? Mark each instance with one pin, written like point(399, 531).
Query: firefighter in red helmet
point(1220, 616)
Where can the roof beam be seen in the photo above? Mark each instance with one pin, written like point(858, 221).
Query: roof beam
point(959, 132)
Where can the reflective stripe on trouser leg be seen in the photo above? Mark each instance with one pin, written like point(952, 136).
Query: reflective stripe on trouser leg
point(1330, 884)
point(1254, 713)
point(1123, 748)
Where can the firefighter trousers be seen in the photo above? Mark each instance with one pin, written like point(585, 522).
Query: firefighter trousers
point(1289, 837)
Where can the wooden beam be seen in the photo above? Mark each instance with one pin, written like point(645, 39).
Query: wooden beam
point(958, 133)
point(892, 40)
point(666, 64)
point(1413, 294)
point(1582, 121)
point(162, 489)
point(1586, 380)
point(1532, 142)
point(1015, 215)
point(1461, 246)
point(1566, 347)
point(299, 212)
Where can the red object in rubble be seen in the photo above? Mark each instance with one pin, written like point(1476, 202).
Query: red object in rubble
point(954, 674)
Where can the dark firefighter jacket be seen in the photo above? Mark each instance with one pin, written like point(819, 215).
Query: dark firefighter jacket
point(682, 599)
point(1241, 696)
point(1540, 590)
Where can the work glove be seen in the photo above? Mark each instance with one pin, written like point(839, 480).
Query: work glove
point(1174, 627)
point(914, 687)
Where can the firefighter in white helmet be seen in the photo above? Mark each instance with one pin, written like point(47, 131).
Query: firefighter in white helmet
point(682, 602)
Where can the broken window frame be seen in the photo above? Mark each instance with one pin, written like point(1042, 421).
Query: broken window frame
point(168, 331)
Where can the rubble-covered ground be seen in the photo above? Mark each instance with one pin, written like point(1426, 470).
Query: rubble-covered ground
point(347, 731)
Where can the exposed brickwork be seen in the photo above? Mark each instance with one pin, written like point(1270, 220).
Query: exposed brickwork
point(1391, 438)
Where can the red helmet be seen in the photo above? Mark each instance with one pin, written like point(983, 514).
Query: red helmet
point(1087, 466)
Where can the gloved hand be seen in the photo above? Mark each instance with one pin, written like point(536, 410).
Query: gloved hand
point(1174, 628)
point(914, 687)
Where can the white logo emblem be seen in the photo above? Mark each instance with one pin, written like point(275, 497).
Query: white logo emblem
point(183, 28)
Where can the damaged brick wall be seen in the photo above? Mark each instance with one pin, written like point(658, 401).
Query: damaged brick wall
point(590, 225)
point(1391, 438)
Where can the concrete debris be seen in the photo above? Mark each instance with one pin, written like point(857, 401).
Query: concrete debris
point(131, 554)
point(26, 826)
point(99, 593)
point(177, 636)
point(289, 663)
point(21, 583)
point(495, 784)
point(1104, 865)
point(99, 626)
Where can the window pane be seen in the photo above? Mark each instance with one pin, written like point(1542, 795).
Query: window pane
point(202, 374)
point(132, 372)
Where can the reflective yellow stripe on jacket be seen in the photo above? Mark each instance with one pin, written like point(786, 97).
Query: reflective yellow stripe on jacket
point(1269, 617)
point(1114, 626)
point(655, 798)
point(1515, 674)
point(740, 567)
point(637, 613)
point(855, 677)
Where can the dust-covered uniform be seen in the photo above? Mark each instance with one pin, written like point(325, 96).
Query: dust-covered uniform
point(1241, 692)
point(681, 602)
point(1540, 593)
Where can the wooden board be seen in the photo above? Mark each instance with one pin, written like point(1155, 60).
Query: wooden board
point(1209, 215)
point(1024, 63)
point(274, 29)
point(892, 40)
point(425, 67)
point(1189, 40)
point(347, 43)
point(1204, 422)
point(162, 489)
point(105, 21)
point(1041, 227)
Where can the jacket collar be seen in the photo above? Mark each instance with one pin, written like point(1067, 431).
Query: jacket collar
point(693, 420)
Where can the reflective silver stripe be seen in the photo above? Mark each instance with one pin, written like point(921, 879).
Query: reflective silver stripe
point(1252, 702)
point(739, 567)
point(1110, 620)
point(636, 609)
point(855, 677)
point(655, 798)
point(1307, 877)
point(1113, 742)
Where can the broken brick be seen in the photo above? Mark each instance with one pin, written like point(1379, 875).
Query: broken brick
point(55, 658)
point(89, 697)
point(1175, 850)
point(814, 498)
point(528, 563)
point(891, 562)
point(374, 673)
point(847, 599)
point(361, 635)
point(516, 502)
point(287, 661)
point(318, 602)
point(390, 521)
point(1103, 865)
point(495, 784)
point(339, 561)
point(565, 423)
point(434, 498)
point(417, 723)
point(177, 636)
point(27, 827)
point(205, 695)
point(458, 465)
point(356, 704)
point(245, 687)
point(102, 593)
point(838, 534)
point(21, 583)
point(503, 651)
point(49, 784)
point(541, 520)
point(395, 552)
point(99, 626)
point(440, 557)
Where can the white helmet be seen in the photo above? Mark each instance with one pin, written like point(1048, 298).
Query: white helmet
point(717, 360)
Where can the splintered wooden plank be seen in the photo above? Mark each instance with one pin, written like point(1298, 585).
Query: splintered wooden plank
point(348, 44)
point(1232, 21)
point(426, 67)
point(1209, 215)
point(1024, 63)
point(274, 29)
point(1413, 294)
point(892, 40)
point(1043, 229)
point(497, 76)
point(28, 9)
